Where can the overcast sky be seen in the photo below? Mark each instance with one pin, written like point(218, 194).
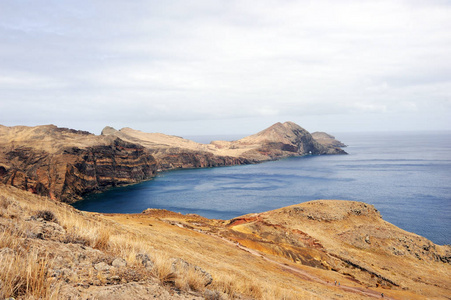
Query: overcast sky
point(226, 67)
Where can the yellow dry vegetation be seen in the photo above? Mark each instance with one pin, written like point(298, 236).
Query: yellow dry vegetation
point(26, 270)
point(260, 256)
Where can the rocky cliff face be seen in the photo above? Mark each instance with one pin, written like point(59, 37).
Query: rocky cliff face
point(179, 158)
point(66, 164)
point(283, 140)
point(278, 141)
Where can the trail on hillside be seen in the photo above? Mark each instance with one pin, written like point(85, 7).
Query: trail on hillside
point(304, 274)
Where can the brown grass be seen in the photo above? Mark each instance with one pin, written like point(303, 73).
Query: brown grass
point(24, 274)
point(235, 274)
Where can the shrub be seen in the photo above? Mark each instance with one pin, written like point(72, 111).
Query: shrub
point(46, 215)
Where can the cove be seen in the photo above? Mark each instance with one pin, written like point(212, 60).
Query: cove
point(405, 175)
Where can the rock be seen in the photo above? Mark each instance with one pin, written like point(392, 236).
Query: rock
point(179, 265)
point(102, 266)
point(115, 278)
point(144, 259)
point(212, 295)
point(367, 239)
point(67, 164)
point(119, 263)
point(327, 139)
point(46, 230)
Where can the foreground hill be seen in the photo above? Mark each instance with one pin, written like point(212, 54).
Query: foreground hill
point(66, 164)
point(50, 250)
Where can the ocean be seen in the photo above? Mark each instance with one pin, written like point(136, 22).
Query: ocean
point(405, 175)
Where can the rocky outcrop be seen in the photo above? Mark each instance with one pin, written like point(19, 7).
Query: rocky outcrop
point(177, 158)
point(66, 164)
point(69, 165)
point(101, 167)
point(277, 141)
point(346, 237)
point(327, 140)
point(284, 140)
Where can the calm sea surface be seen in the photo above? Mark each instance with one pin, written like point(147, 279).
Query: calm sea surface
point(406, 176)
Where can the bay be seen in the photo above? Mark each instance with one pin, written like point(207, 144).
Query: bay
point(405, 175)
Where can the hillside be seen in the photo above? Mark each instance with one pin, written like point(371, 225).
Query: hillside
point(50, 250)
point(66, 164)
point(327, 139)
point(275, 142)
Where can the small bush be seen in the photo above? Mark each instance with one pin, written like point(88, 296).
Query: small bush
point(46, 215)
point(4, 203)
point(72, 238)
point(102, 240)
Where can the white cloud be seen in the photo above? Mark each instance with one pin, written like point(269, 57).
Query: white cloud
point(167, 61)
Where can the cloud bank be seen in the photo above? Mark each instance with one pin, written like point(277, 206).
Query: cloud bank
point(204, 67)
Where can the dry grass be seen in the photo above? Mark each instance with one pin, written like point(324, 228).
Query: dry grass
point(26, 275)
point(191, 279)
point(163, 268)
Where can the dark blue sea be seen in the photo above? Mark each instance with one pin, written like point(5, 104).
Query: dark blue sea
point(406, 176)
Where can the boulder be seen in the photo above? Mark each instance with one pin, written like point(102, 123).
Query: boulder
point(119, 263)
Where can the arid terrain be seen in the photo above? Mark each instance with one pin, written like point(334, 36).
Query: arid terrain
point(66, 164)
point(323, 249)
point(316, 250)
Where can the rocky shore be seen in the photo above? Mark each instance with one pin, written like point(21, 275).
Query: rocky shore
point(66, 164)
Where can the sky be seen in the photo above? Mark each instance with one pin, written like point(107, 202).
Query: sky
point(226, 67)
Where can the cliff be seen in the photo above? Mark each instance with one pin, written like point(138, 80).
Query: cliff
point(277, 141)
point(66, 164)
point(349, 238)
point(173, 152)
point(283, 140)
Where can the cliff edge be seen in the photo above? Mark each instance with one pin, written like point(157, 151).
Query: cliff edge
point(66, 164)
point(275, 142)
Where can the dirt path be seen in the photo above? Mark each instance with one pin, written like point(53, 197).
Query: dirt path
point(304, 274)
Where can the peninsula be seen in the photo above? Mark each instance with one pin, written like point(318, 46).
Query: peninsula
point(66, 164)
point(323, 249)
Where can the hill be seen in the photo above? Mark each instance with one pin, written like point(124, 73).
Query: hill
point(316, 250)
point(66, 164)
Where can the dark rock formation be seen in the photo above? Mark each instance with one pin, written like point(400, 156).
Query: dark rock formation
point(101, 167)
point(284, 140)
point(177, 158)
point(67, 173)
point(66, 164)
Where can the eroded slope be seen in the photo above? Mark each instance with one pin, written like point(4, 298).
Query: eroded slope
point(65, 164)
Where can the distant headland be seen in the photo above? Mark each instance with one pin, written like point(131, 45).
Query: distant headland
point(66, 164)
